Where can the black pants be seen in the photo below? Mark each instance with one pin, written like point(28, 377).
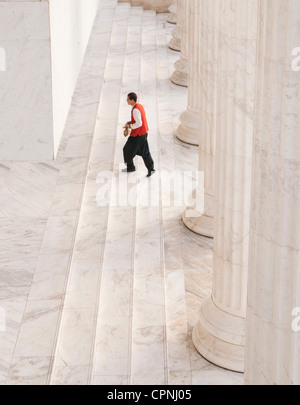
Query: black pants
point(137, 146)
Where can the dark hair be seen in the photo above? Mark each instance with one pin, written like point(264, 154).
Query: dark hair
point(132, 96)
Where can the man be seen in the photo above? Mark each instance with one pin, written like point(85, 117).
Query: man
point(137, 143)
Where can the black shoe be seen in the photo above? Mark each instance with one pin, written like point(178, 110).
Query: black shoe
point(128, 170)
point(150, 172)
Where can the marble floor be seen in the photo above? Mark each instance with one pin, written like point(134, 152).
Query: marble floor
point(100, 280)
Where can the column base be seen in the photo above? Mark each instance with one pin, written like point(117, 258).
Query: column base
point(198, 223)
point(172, 18)
point(175, 44)
point(175, 41)
point(181, 76)
point(173, 8)
point(186, 133)
point(220, 337)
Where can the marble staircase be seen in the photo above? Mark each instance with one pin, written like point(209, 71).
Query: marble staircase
point(100, 286)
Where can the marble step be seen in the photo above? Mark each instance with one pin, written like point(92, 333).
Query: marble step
point(74, 348)
point(106, 295)
point(48, 218)
point(177, 331)
point(110, 267)
point(149, 351)
point(187, 256)
point(112, 350)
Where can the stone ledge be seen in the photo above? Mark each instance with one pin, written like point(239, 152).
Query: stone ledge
point(161, 6)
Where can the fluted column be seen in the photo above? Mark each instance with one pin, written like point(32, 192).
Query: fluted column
point(180, 75)
point(273, 330)
point(219, 334)
point(172, 17)
point(204, 90)
point(188, 130)
point(175, 41)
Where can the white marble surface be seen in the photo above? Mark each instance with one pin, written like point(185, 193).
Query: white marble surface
point(220, 332)
point(202, 109)
point(71, 22)
point(175, 40)
point(130, 280)
point(26, 126)
point(181, 74)
point(274, 282)
point(172, 17)
point(159, 5)
point(40, 206)
point(44, 43)
point(95, 267)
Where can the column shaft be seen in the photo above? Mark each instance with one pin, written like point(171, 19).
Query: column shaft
point(204, 97)
point(220, 332)
point(188, 130)
point(180, 75)
point(175, 41)
point(273, 330)
point(172, 17)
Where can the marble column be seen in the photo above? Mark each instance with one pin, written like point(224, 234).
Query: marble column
point(188, 130)
point(203, 91)
point(273, 313)
point(175, 41)
point(219, 334)
point(181, 74)
point(172, 17)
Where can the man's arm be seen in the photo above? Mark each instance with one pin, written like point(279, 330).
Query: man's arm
point(138, 119)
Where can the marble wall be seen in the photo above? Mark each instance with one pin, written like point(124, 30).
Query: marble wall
point(71, 22)
point(42, 44)
point(26, 125)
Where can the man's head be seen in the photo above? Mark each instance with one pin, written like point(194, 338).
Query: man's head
point(132, 99)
